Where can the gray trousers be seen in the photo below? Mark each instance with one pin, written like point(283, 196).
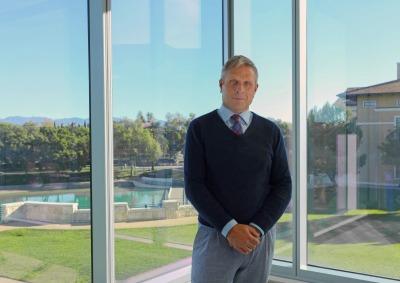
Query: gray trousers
point(213, 260)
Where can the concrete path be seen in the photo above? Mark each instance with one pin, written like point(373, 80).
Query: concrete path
point(120, 225)
point(8, 280)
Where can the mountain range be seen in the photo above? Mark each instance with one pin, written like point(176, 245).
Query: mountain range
point(18, 120)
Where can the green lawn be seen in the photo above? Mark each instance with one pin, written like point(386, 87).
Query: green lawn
point(367, 258)
point(35, 255)
point(183, 234)
point(373, 258)
point(133, 258)
point(45, 252)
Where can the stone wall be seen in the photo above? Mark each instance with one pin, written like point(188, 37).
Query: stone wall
point(69, 213)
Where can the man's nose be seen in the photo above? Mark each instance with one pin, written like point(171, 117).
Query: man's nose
point(239, 89)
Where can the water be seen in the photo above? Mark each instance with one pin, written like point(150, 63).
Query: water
point(135, 198)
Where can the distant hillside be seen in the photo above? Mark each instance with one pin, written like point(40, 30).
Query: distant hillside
point(18, 120)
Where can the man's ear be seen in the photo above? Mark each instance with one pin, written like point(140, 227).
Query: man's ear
point(220, 85)
point(255, 90)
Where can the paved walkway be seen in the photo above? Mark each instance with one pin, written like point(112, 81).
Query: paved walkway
point(8, 280)
point(120, 225)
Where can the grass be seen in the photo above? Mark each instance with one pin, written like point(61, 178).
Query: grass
point(40, 250)
point(35, 255)
point(183, 234)
point(373, 258)
point(134, 258)
point(366, 258)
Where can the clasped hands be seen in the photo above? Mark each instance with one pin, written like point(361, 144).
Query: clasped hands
point(243, 238)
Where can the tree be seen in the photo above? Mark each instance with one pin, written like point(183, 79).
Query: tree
point(286, 130)
point(330, 113)
point(82, 147)
point(48, 123)
point(10, 141)
point(124, 147)
point(140, 117)
point(324, 125)
point(134, 142)
point(148, 146)
point(390, 148)
point(175, 131)
point(157, 132)
point(65, 148)
point(150, 118)
point(64, 144)
point(20, 145)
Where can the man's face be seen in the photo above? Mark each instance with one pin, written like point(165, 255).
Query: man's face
point(238, 88)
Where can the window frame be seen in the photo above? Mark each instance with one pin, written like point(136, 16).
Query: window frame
point(103, 263)
point(397, 121)
point(395, 173)
point(102, 205)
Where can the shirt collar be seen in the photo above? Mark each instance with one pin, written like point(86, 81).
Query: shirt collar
point(226, 114)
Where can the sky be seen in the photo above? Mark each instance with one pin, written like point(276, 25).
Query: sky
point(167, 57)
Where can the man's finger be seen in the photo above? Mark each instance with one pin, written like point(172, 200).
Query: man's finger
point(254, 231)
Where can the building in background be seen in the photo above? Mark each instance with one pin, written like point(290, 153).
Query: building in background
point(377, 112)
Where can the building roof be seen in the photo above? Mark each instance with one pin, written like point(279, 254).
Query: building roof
point(387, 87)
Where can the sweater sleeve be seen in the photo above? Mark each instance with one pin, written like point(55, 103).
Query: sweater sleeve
point(280, 188)
point(195, 180)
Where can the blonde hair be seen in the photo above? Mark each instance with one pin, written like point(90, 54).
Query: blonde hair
point(237, 61)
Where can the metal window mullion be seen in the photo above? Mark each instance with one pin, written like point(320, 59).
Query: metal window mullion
point(299, 174)
point(227, 30)
point(300, 124)
point(102, 207)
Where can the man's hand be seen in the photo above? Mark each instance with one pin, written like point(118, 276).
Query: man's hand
point(243, 238)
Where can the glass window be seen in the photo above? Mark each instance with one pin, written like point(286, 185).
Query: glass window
point(167, 57)
point(263, 32)
point(369, 103)
point(352, 193)
point(44, 142)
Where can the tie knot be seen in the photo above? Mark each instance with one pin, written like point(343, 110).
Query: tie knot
point(235, 117)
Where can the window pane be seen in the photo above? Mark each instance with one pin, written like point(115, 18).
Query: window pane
point(44, 142)
point(167, 57)
point(352, 93)
point(263, 32)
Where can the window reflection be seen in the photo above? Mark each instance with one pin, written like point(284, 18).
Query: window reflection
point(44, 142)
point(163, 77)
point(271, 51)
point(353, 186)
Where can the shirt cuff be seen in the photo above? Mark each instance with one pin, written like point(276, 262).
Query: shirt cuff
point(228, 227)
point(258, 227)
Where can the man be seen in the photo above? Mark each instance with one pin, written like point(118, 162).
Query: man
point(237, 177)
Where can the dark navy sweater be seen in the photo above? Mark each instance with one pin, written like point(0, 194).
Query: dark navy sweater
point(244, 177)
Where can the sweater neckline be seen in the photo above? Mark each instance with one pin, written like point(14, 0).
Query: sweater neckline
point(249, 128)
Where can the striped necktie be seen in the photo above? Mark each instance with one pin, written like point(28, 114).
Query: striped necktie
point(237, 128)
